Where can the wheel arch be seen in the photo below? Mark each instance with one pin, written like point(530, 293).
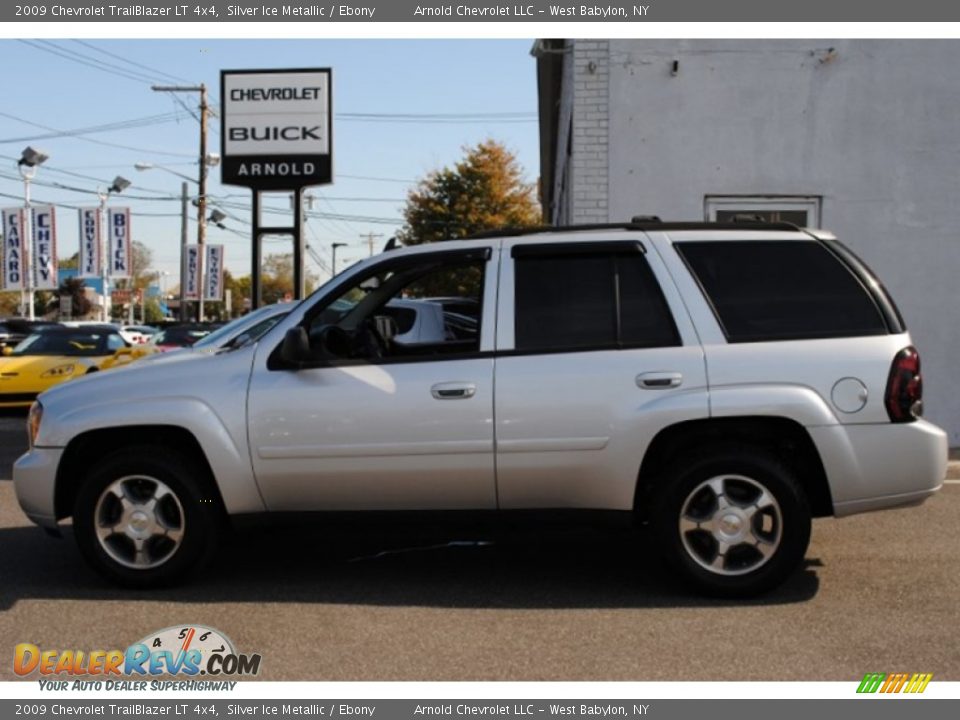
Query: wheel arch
point(787, 439)
point(88, 447)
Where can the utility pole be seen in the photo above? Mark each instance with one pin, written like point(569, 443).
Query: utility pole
point(202, 199)
point(184, 241)
point(334, 246)
point(370, 238)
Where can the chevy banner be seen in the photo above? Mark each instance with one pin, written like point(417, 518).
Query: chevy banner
point(213, 273)
point(44, 247)
point(15, 251)
point(89, 265)
point(120, 257)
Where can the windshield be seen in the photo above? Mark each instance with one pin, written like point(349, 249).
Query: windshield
point(74, 344)
point(179, 336)
point(235, 327)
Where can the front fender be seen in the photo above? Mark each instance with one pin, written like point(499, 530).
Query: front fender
point(225, 451)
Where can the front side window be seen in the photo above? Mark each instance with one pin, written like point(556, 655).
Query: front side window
point(418, 308)
point(583, 301)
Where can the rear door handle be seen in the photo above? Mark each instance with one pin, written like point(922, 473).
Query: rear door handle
point(659, 380)
point(453, 391)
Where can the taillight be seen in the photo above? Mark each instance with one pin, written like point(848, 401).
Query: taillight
point(904, 398)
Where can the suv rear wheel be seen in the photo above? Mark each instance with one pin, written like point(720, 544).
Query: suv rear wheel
point(143, 518)
point(735, 523)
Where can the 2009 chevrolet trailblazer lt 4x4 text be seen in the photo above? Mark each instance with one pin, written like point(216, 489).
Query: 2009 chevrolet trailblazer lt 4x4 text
point(725, 383)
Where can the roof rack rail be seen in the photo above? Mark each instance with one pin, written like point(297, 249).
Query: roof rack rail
point(642, 223)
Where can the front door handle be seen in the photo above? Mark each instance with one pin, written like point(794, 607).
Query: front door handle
point(659, 380)
point(453, 391)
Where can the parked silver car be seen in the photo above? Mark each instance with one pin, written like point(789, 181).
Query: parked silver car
point(722, 383)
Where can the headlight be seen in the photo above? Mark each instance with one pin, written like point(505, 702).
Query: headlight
point(33, 422)
point(58, 371)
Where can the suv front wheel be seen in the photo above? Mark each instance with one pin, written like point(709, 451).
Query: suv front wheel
point(735, 523)
point(144, 518)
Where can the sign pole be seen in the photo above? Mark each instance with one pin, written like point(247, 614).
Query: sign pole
point(104, 252)
point(26, 295)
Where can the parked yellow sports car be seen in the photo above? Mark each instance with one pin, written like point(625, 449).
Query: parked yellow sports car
point(55, 355)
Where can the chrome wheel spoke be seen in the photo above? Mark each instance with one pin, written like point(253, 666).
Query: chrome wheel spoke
point(118, 491)
point(105, 531)
point(175, 534)
point(718, 486)
point(766, 549)
point(688, 524)
point(140, 557)
point(719, 562)
point(763, 503)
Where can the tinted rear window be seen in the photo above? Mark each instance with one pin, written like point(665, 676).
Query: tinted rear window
point(573, 302)
point(781, 290)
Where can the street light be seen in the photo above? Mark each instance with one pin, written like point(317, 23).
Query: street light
point(153, 166)
point(333, 259)
point(120, 184)
point(30, 160)
point(217, 217)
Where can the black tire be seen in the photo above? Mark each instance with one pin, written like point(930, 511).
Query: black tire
point(744, 571)
point(194, 510)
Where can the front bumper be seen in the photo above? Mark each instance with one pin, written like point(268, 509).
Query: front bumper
point(35, 479)
point(874, 467)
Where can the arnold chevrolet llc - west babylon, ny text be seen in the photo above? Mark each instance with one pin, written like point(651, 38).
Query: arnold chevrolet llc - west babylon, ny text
point(597, 11)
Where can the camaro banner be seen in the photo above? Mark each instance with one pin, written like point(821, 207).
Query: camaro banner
point(44, 247)
point(191, 289)
point(213, 273)
point(120, 257)
point(15, 251)
point(89, 265)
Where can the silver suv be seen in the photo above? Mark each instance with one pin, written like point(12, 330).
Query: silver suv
point(722, 383)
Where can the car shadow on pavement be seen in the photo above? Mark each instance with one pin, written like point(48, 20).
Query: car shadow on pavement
point(553, 568)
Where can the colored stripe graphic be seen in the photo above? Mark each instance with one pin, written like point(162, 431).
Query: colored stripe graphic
point(871, 682)
point(894, 682)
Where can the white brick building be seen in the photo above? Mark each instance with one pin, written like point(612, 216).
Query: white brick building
point(861, 137)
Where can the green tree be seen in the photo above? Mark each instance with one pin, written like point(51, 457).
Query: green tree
point(75, 289)
point(484, 191)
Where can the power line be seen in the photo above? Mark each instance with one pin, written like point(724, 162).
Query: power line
point(66, 54)
point(159, 73)
point(107, 127)
point(98, 142)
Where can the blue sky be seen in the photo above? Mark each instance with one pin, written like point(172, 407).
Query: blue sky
point(67, 85)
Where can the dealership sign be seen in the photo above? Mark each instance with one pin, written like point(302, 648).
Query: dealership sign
point(276, 128)
point(191, 285)
point(213, 273)
point(44, 247)
point(15, 250)
point(89, 265)
point(119, 255)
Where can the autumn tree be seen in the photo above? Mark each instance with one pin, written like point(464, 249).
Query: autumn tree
point(276, 278)
point(484, 191)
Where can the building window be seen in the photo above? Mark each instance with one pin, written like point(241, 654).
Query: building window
point(801, 210)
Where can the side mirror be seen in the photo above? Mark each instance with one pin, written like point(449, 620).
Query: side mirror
point(7, 350)
point(296, 347)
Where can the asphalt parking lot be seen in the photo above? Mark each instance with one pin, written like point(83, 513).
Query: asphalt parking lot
point(877, 593)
